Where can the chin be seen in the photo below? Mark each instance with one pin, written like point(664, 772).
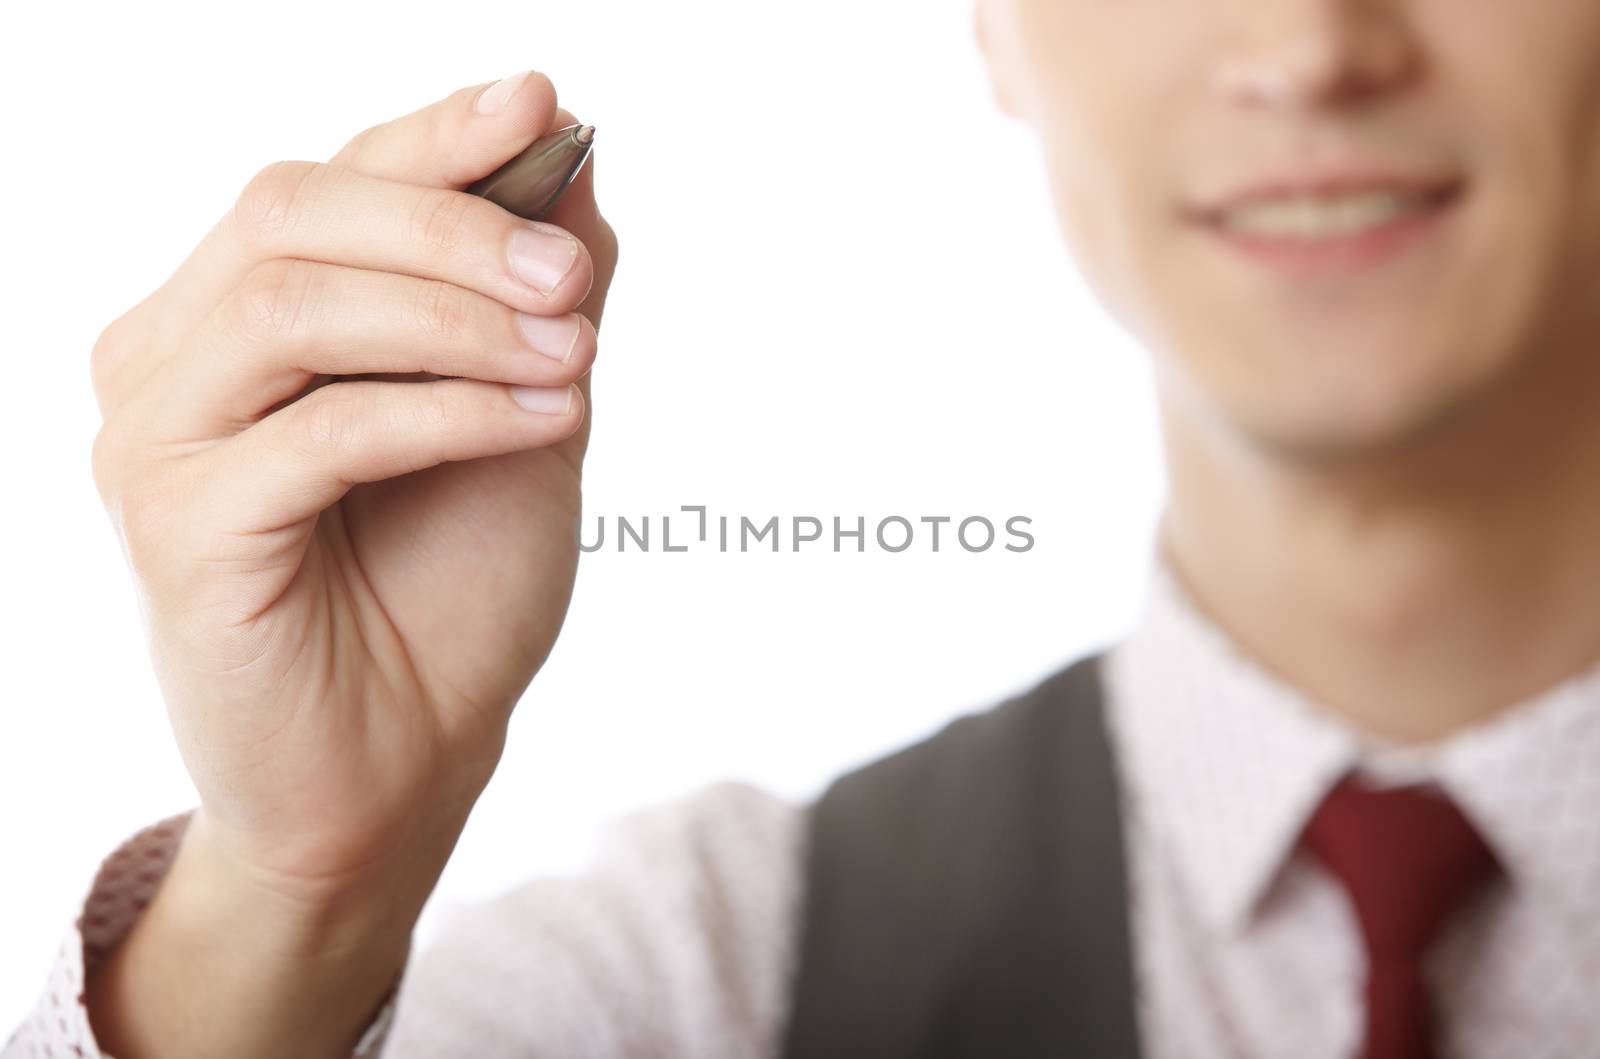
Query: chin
point(1346, 402)
point(1336, 436)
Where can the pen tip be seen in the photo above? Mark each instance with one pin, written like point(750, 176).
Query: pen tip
point(584, 134)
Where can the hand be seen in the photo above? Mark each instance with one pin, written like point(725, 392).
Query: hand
point(347, 585)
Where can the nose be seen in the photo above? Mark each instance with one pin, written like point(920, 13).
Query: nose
point(1311, 53)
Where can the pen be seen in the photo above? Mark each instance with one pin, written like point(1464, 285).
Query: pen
point(529, 184)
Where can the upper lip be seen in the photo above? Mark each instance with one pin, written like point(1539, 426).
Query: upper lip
point(1330, 182)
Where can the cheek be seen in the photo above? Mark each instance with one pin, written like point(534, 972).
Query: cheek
point(1103, 106)
point(1527, 77)
point(1531, 86)
point(1097, 218)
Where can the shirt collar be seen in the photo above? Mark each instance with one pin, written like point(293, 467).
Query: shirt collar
point(1226, 761)
point(1529, 778)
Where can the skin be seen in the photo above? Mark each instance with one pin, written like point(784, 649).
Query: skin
point(1382, 485)
point(338, 660)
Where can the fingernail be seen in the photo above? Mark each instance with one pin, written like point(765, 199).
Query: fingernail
point(494, 98)
point(546, 400)
point(554, 336)
point(542, 255)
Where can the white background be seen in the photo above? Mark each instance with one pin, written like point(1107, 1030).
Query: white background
point(842, 292)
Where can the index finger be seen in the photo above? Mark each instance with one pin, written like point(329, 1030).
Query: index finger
point(462, 137)
point(447, 144)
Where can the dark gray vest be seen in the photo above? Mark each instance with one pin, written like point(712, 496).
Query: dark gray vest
point(965, 895)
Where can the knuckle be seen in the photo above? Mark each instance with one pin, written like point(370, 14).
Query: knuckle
point(144, 510)
point(274, 299)
point(326, 420)
point(441, 221)
point(270, 200)
point(106, 356)
point(122, 342)
point(356, 148)
point(435, 412)
point(140, 520)
point(440, 309)
point(106, 457)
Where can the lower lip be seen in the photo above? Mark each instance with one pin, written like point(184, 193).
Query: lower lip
point(1344, 254)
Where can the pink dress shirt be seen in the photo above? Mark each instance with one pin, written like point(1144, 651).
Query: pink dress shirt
point(678, 939)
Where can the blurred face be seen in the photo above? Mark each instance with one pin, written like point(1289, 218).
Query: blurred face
point(1338, 224)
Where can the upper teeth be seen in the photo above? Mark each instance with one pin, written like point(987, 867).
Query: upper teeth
point(1307, 217)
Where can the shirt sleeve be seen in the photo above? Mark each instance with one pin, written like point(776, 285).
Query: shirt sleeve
point(59, 1023)
point(676, 939)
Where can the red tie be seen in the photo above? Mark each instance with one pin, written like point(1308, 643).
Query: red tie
point(1407, 857)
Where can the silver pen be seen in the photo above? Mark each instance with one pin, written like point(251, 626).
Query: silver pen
point(529, 184)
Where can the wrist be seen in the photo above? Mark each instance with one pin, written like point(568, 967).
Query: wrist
point(277, 917)
point(280, 917)
point(225, 962)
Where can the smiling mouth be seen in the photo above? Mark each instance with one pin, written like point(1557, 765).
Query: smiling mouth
point(1310, 217)
point(1330, 233)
